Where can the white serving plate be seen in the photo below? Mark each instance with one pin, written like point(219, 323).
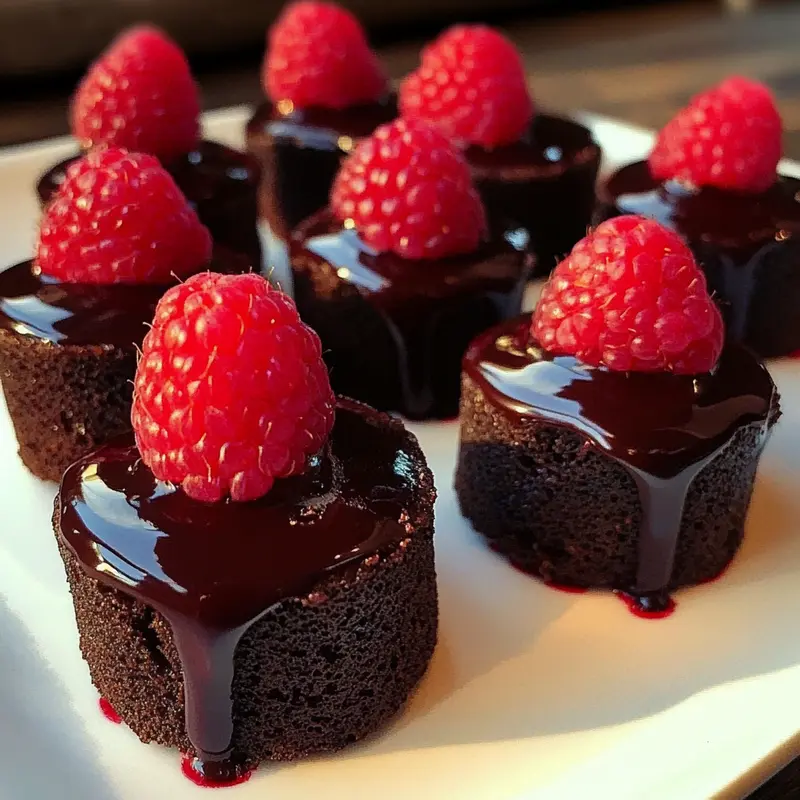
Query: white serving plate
point(531, 694)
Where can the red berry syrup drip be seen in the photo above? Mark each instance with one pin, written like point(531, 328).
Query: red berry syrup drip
point(107, 710)
point(656, 605)
point(214, 774)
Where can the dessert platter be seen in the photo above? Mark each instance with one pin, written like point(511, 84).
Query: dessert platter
point(352, 444)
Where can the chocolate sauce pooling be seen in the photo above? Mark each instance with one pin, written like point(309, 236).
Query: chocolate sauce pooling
point(742, 240)
point(430, 308)
point(662, 428)
point(220, 182)
point(213, 569)
point(86, 313)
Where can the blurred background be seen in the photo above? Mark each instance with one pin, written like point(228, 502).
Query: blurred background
point(639, 61)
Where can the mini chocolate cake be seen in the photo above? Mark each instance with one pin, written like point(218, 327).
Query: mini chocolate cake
point(67, 358)
point(393, 330)
point(219, 182)
point(543, 183)
point(589, 477)
point(300, 151)
point(273, 629)
point(748, 245)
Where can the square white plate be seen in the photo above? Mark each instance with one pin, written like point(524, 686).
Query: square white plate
point(531, 694)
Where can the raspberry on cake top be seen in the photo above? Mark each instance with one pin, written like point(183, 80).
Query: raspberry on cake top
point(259, 521)
point(617, 420)
point(140, 95)
point(712, 176)
point(533, 170)
point(318, 56)
point(400, 272)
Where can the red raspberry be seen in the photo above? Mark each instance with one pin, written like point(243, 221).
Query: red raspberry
point(119, 218)
point(630, 296)
point(728, 136)
point(318, 55)
point(471, 84)
point(408, 190)
point(139, 95)
point(231, 390)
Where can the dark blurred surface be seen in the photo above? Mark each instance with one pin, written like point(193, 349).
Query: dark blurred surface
point(637, 62)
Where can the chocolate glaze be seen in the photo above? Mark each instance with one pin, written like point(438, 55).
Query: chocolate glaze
point(213, 569)
point(544, 183)
point(741, 240)
point(86, 314)
point(300, 150)
point(220, 182)
point(662, 428)
point(421, 303)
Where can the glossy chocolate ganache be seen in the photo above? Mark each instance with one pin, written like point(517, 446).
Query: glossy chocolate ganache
point(663, 429)
point(748, 244)
point(544, 183)
point(32, 304)
point(213, 570)
point(220, 183)
point(301, 150)
point(394, 330)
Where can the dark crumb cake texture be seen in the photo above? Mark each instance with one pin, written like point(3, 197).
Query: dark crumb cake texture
point(544, 183)
point(555, 502)
point(394, 331)
point(312, 670)
point(748, 245)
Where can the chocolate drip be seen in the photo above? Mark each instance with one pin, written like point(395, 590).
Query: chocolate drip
point(425, 312)
point(220, 182)
point(212, 570)
point(663, 429)
point(747, 244)
point(32, 304)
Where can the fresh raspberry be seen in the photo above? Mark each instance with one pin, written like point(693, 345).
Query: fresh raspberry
point(728, 136)
point(318, 55)
point(118, 217)
point(630, 296)
point(231, 390)
point(408, 190)
point(471, 84)
point(139, 95)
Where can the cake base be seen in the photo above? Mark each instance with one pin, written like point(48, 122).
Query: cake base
point(561, 509)
point(64, 400)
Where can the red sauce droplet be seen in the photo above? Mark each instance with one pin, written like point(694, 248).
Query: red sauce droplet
point(107, 710)
point(658, 606)
point(721, 574)
point(232, 775)
point(794, 354)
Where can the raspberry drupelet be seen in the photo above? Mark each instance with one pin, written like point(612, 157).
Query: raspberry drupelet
point(712, 177)
point(533, 170)
point(140, 95)
point(325, 90)
point(401, 271)
point(611, 440)
point(254, 521)
point(116, 235)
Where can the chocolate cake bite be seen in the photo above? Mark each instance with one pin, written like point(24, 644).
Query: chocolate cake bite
point(72, 319)
point(396, 302)
point(281, 604)
point(140, 95)
point(743, 226)
point(533, 170)
point(326, 90)
point(636, 479)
